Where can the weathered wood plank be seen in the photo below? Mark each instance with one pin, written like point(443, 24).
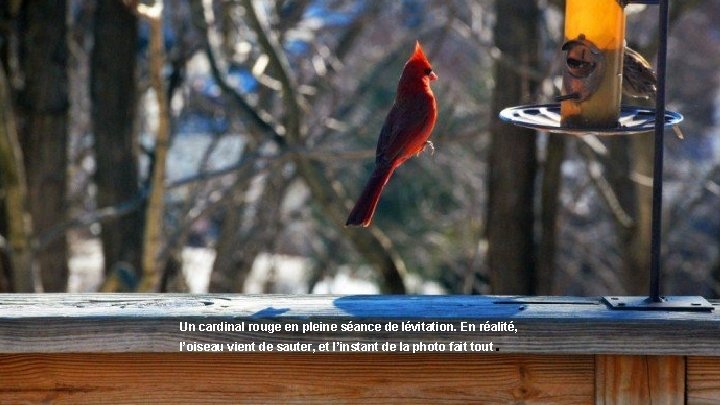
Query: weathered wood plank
point(175, 378)
point(636, 380)
point(703, 380)
point(150, 323)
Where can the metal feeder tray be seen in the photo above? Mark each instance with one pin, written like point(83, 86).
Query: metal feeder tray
point(546, 117)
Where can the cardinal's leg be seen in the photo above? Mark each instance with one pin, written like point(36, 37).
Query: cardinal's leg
point(430, 145)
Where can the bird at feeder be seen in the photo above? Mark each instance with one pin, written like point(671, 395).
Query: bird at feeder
point(639, 79)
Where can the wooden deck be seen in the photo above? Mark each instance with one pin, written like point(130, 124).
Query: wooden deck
point(118, 348)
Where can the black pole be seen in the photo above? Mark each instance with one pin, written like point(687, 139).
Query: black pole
point(658, 161)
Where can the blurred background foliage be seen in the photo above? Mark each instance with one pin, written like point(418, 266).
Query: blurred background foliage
point(265, 115)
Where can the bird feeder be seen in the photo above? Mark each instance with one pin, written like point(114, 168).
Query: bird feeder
point(590, 104)
point(592, 76)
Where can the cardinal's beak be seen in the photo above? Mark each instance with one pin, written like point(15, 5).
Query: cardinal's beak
point(433, 76)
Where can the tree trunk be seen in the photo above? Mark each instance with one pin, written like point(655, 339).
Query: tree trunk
point(17, 265)
point(550, 196)
point(155, 214)
point(237, 249)
point(43, 126)
point(637, 271)
point(113, 93)
point(232, 262)
point(173, 279)
point(513, 162)
point(618, 169)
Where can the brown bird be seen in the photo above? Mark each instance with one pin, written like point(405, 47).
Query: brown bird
point(639, 79)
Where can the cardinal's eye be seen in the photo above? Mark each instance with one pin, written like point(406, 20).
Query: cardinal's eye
point(428, 71)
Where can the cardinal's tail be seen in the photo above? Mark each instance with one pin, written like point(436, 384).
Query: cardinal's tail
point(362, 213)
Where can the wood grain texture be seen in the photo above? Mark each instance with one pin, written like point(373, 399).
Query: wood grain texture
point(55, 323)
point(175, 378)
point(636, 380)
point(703, 380)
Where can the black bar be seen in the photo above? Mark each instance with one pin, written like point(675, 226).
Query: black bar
point(624, 3)
point(654, 295)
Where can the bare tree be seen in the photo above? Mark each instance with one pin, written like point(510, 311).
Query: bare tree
point(113, 94)
point(43, 111)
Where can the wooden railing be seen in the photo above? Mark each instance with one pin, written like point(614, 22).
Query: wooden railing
point(112, 348)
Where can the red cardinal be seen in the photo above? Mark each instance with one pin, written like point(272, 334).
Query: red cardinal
point(405, 133)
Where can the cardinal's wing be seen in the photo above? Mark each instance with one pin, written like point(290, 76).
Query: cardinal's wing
point(404, 122)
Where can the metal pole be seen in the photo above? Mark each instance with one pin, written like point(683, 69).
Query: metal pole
point(654, 295)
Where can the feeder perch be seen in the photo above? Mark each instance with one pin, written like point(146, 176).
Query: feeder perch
point(590, 105)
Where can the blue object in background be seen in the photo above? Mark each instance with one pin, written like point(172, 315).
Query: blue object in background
point(242, 79)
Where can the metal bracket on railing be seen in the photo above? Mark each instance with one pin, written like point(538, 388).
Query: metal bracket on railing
point(697, 303)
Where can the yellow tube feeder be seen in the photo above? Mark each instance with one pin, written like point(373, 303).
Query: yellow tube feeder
point(592, 80)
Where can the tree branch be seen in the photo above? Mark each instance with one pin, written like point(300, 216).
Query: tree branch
point(604, 188)
point(262, 120)
point(279, 61)
point(86, 219)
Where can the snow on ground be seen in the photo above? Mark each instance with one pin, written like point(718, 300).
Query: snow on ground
point(345, 282)
point(85, 264)
point(286, 274)
point(197, 264)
